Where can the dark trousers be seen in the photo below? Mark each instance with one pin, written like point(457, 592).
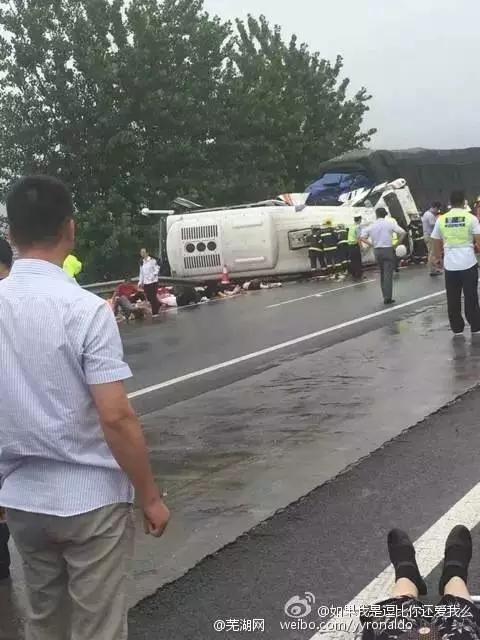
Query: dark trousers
point(4, 553)
point(385, 257)
point(355, 258)
point(455, 283)
point(315, 257)
point(151, 295)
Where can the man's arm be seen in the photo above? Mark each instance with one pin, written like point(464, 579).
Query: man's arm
point(126, 441)
point(402, 234)
point(437, 245)
point(364, 237)
point(105, 371)
point(437, 249)
point(476, 232)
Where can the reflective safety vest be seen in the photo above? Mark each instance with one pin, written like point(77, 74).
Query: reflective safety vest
point(329, 239)
point(456, 228)
point(72, 266)
point(395, 238)
point(342, 236)
point(353, 234)
point(316, 241)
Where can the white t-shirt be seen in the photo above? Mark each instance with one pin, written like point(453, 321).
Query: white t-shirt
point(148, 272)
point(381, 232)
point(429, 221)
point(459, 258)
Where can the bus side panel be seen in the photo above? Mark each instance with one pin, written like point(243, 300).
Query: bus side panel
point(250, 242)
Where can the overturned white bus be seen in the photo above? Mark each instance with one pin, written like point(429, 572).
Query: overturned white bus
point(271, 238)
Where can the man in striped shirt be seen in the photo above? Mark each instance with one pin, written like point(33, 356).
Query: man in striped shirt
point(71, 446)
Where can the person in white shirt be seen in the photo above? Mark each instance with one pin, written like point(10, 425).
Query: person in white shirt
point(429, 220)
point(148, 280)
point(72, 449)
point(455, 235)
point(381, 235)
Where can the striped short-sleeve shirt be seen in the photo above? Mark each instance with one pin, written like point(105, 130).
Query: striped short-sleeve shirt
point(56, 339)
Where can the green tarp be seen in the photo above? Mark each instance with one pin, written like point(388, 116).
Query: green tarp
point(431, 174)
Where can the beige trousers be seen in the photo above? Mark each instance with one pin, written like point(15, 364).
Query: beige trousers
point(431, 258)
point(76, 572)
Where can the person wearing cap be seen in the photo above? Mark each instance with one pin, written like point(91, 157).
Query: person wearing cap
point(329, 239)
point(429, 220)
point(354, 252)
point(455, 236)
point(316, 252)
point(381, 235)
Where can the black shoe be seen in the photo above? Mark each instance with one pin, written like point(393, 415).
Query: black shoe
point(458, 553)
point(389, 301)
point(402, 556)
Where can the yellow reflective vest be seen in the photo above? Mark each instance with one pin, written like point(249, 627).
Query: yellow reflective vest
point(456, 228)
point(353, 234)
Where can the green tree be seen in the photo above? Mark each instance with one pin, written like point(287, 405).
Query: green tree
point(286, 110)
point(135, 102)
point(116, 98)
point(61, 112)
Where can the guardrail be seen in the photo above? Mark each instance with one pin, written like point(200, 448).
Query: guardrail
point(107, 288)
point(104, 288)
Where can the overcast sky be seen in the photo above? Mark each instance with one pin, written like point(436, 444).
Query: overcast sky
point(418, 58)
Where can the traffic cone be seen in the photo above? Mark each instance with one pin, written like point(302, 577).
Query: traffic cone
point(225, 276)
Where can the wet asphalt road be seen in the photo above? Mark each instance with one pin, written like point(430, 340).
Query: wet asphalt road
point(188, 340)
point(243, 442)
point(330, 543)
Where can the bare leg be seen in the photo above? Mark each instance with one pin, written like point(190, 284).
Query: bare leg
point(409, 582)
point(457, 587)
point(405, 587)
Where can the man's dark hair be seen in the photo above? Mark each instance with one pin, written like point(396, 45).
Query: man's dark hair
point(6, 254)
point(437, 205)
point(37, 209)
point(457, 198)
point(381, 212)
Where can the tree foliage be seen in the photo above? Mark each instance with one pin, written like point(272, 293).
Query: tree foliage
point(133, 103)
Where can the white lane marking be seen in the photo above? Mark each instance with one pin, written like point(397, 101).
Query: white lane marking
point(319, 295)
point(347, 286)
point(429, 548)
point(282, 345)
